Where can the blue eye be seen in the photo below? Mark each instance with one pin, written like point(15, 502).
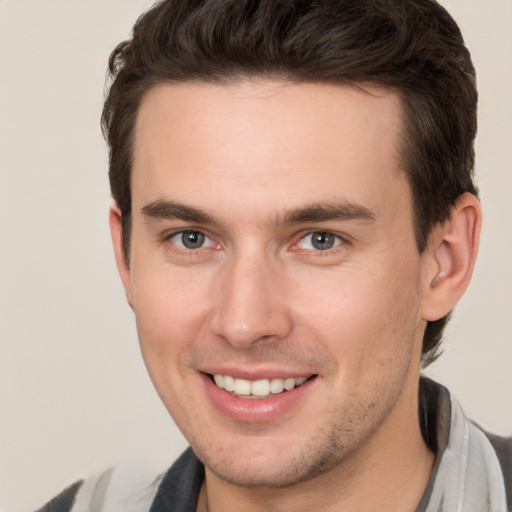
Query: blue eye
point(320, 241)
point(190, 239)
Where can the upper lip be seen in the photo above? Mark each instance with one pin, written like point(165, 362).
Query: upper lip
point(256, 373)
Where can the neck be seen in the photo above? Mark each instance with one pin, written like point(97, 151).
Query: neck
point(388, 473)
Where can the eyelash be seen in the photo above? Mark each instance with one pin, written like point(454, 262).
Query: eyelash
point(191, 231)
point(339, 240)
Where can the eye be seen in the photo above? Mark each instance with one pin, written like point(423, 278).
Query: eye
point(190, 239)
point(319, 241)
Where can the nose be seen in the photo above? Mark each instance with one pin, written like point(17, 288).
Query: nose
point(251, 305)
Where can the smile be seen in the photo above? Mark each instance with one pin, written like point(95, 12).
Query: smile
point(261, 388)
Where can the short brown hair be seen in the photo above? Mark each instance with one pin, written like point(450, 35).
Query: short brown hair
point(413, 47)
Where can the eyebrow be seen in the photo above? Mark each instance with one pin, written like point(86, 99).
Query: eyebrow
point(166, 210)
point(317, 212)
point(323, 212)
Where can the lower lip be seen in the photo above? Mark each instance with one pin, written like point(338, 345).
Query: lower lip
point(256, 410)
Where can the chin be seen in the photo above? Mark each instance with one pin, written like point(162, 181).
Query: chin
point(272, 467)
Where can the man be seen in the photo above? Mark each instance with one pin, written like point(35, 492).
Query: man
point(294, 218)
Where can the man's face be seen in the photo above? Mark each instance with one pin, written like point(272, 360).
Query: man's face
point(272, 243)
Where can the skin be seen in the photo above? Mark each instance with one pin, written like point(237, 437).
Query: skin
point(257, 296)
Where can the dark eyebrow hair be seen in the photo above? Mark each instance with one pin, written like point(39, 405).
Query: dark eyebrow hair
point(318, 212)
point(171, 210)
point(327, 211)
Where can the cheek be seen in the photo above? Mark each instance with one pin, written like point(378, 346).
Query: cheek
point(170, 312)
point(363, 314)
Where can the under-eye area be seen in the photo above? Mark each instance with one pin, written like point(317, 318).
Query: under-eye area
point(261, 388)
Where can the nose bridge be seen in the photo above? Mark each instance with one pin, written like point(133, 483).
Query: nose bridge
point(251, 304)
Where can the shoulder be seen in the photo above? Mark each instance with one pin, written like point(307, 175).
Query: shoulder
point(503, 448)
point(135, 488)
point(471, 463)
point(125, 487)
point(64, 501)
point(180, 486)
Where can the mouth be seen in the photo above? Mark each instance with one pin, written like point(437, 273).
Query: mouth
point(257, 389)
point(264, 398)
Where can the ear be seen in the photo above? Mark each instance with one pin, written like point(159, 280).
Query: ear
point(451, 256)
point(116, 232)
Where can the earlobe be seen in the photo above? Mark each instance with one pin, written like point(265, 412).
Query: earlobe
point(116, 232)
point(451, 255)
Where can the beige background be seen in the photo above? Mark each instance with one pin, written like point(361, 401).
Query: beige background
point(74, 395)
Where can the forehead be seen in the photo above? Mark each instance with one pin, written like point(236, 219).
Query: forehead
point(226, 144)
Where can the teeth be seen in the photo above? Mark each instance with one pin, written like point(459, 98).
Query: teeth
point(289, 384)
point(258, 388)
point(229, 383)
point(276, 386)
point(242, 387)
